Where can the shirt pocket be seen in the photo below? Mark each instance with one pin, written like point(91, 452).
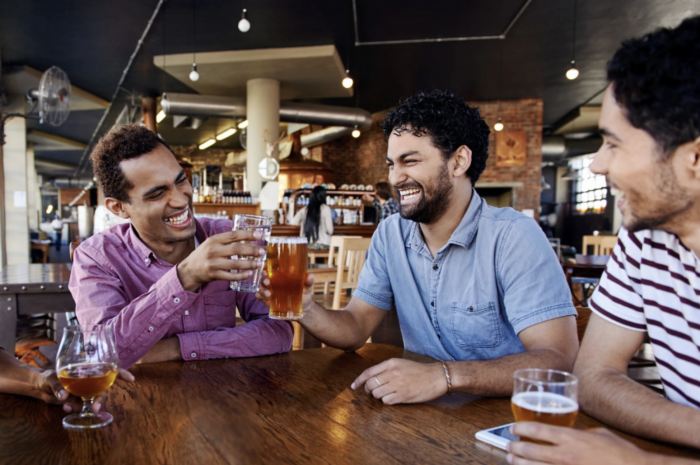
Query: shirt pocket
point(476, 326)
point(220, 309)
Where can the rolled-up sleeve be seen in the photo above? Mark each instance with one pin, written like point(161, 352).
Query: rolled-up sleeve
point(374, 286)
point(100, 299)
point(532, 280)
point(261, 335)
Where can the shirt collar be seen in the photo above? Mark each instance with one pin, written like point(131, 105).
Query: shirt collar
point(463, 235)
point(147, 254)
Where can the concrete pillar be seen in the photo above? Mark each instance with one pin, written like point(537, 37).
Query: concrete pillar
point(15, 168)
point(33, 198)
point(263, 113)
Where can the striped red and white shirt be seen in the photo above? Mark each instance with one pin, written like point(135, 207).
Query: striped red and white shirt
point(652, 284)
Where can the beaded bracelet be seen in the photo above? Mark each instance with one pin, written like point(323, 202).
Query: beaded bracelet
point(447, 377)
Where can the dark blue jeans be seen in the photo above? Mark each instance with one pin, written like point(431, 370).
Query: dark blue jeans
point(57, 239)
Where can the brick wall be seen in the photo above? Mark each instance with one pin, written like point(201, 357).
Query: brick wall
point(362, 160)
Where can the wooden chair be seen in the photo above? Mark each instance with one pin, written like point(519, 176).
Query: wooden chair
point(336, 241)
point(72, 247)
point(602, 245)
point(352, 253)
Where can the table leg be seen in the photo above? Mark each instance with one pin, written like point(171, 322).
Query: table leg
point(8, 322)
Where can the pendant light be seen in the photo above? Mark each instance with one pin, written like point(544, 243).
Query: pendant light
point(347, 80)
point(244, 24)
point(572, 73)
point(194, 75)
point(499, 124)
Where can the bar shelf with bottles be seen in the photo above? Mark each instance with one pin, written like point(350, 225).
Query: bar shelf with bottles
point(348, 204)
point(217, 203)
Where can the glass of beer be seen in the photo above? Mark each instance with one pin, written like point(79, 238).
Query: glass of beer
point(243, 222)
point(87, 365)
point(545, 396)
point(286, 266)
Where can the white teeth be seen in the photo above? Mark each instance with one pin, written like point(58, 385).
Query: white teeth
point(409, 194)
point(616, 192)
point(179, 219)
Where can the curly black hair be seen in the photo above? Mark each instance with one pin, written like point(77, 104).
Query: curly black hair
point(448, 120)
point(119, 144)
point(656, 80)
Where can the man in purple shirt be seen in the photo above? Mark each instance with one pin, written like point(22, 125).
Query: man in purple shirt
point(162, 281)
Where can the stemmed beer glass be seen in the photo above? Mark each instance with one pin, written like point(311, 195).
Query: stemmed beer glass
point(87, 365)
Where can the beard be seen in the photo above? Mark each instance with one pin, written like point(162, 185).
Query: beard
point(433, 202)
point(670, 203)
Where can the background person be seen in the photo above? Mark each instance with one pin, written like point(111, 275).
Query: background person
point(315, 219)
point(384, 200)
point(57, 226)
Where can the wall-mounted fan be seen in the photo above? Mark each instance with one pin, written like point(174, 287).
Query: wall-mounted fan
point(51, 99)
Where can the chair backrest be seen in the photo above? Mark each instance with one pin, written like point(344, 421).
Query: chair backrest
point(336, 241)
point(73, 246)
point(602, 245)
point(352, 253)
point(584, 314)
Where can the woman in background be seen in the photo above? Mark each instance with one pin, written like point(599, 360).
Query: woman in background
point(316, 220)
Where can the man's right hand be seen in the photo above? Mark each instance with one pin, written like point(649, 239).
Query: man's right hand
point(264, 294)
point(211, 261)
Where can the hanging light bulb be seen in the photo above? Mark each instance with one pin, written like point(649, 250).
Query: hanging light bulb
point(347, 80)
point(356, 132)
point(160, 116)
point(244, 24)
point(572, 73)
point(498, 126)
point(194, 75)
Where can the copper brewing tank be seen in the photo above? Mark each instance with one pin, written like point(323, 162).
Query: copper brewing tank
point(295, 171)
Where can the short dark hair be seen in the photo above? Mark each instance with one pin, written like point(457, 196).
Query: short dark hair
point(121, 143)
point(449, 121)
point(656, 80)
point(384, 190)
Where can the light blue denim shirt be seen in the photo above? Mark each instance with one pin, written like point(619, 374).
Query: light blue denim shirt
point(495, 277)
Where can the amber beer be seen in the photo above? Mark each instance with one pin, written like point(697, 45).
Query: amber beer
point(286, 267)
point(88, 380)
point(544, 407)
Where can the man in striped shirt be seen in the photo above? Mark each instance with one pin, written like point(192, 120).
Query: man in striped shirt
point(650, 121)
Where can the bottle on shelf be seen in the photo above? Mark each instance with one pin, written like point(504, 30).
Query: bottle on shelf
point(195, 195)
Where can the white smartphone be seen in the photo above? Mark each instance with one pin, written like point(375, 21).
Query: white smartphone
point(499, 436)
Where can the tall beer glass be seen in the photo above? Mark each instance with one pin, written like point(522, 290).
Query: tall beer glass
point(287, 259)
point(242, 222)
point(545, 396)
point(87, 365)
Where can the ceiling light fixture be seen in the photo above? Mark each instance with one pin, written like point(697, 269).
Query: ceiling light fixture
point(194, 75)
point(572, 73)
point(243, 124)
point(347, 80)
point(499, 125)
point(227, 133)
point(160, 116)
point(356, 132)
point(244, 24)
point(207, 144)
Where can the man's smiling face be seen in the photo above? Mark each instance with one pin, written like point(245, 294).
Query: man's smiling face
point(160, 203)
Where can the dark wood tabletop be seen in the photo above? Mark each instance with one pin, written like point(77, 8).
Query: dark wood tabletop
point(35, 274)
point(290, 408)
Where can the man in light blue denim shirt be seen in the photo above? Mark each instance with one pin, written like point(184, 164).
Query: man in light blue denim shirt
point(476, 287)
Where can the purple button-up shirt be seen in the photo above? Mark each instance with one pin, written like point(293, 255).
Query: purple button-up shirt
point(116, 279)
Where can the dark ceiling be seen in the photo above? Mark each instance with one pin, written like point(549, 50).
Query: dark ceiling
point(92, 42)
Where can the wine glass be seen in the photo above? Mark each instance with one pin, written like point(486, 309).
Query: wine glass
point(87, 365)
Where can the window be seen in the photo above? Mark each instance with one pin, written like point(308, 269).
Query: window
point(589, 191)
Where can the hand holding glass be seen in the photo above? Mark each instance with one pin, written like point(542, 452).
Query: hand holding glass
point(263, 224)
point(87, 365)
point(545, 396)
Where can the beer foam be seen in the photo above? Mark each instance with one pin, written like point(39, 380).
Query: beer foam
point(545, 402)
point(288, 240)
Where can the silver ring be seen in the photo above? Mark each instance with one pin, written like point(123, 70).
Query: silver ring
point(377, 380)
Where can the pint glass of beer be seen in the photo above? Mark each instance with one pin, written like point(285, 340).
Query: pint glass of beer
point(545, 396)
point(286, 265)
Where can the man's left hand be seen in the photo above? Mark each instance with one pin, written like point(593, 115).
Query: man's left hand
point(570, 446)
point(399, 381)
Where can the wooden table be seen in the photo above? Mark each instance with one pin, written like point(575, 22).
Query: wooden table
point(37, 244)
point(290, 408)
point(32, 289)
